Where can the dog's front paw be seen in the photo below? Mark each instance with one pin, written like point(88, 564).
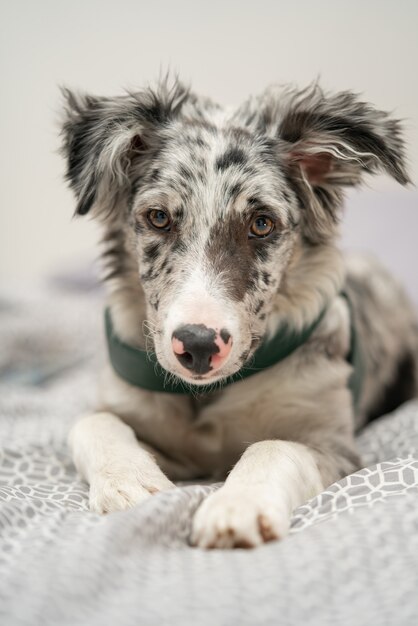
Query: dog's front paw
point(116, 490)
point(231, 518)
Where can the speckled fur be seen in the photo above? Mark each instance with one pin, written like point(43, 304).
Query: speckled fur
point(287, 153)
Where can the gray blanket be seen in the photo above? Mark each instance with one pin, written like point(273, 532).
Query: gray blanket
point(351, 557)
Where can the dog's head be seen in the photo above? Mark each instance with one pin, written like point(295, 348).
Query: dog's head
point(215, 211)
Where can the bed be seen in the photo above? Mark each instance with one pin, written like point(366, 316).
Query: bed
point(351, 557)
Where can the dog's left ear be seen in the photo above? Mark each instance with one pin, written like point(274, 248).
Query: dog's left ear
point(329, 142)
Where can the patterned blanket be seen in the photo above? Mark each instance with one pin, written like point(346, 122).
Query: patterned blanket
point(351, 557)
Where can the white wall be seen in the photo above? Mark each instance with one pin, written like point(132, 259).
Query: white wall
point(225, 48)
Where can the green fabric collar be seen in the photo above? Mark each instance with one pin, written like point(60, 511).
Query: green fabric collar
point(141, 369)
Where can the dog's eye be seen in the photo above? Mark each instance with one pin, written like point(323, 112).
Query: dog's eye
point(261, 226)
point(159, 219)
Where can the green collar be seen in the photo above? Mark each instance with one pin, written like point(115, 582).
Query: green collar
point(141, 369)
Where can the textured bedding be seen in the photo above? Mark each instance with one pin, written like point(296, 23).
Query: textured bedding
point(351, 557)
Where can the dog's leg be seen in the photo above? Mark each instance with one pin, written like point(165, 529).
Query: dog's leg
point(108, 456)
point(254, 505)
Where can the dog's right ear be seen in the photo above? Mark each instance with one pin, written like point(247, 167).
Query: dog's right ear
point(102, 137)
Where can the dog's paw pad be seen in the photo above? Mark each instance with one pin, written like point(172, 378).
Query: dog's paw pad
point(238, 519)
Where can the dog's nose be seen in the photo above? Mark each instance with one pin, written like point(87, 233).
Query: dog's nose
point(201, 349)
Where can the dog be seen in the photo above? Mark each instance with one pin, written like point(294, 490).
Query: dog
point(220, 232)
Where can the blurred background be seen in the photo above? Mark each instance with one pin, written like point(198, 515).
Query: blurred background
point(225, 49)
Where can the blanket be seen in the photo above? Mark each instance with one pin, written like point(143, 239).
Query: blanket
point(351, 556)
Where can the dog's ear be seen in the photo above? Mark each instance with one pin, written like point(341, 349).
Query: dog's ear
point(328, 142)
point(103, 137)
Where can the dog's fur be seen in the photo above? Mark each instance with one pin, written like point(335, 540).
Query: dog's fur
point(287, 432)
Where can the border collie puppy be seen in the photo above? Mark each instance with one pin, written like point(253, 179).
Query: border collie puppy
point(242, 344)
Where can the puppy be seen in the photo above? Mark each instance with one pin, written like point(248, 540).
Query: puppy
point(241, 342)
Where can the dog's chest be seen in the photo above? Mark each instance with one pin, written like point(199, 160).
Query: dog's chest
point(207, 436)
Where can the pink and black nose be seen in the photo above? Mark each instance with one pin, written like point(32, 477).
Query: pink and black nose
point(201, 349)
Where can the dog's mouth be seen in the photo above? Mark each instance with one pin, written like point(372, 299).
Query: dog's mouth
point(199, 379)
point(211, 375)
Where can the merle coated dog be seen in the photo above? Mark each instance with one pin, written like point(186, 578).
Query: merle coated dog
point(219, 248)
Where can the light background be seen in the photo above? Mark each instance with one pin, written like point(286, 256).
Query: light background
point(224, 49)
